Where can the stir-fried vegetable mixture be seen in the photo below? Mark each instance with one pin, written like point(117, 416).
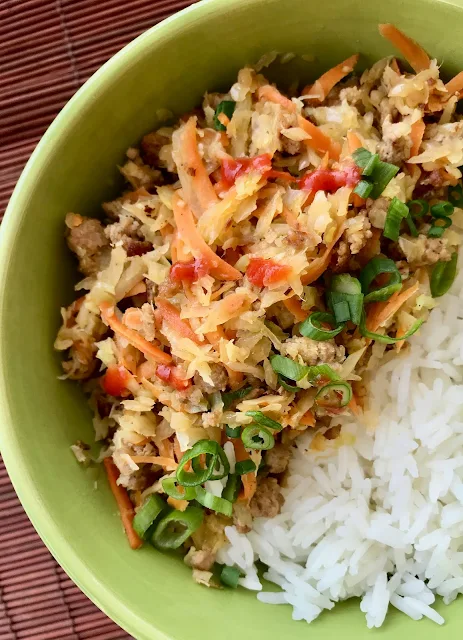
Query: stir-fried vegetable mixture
point(269, 252)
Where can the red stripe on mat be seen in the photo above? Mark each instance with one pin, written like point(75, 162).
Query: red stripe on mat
point(48, 49)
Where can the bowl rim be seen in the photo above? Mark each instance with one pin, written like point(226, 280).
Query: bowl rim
point(76, 568)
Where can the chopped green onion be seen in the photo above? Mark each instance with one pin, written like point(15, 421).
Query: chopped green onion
point(232, 488)
point(362, 157)
point(174, 490)
point(244, 466)
point(376, 267)
point(371, 165)
point(321, 374)
point(148, 513)
point(418, 208)
point(210, 501)
point(345, 288)
point(387, 339)
point(292, 388)
point(455, 196)
point(443, 275)
point(442, 210)
point(232, 432)
point(264, 420)
point(381, 177)
point(396, 212)
point(176, 527)
point(229, 576)
point(312, 327)
point(341, 311)
point(227, 107)
point(380, 173)
point(438, 228)
point(334, 394)
point(411, 226)
point(287, 367)
point(200, 475)
point(363, 188)
point(232, 396)
point(257, 437)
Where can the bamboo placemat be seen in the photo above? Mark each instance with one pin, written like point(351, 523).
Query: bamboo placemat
point(48, 49)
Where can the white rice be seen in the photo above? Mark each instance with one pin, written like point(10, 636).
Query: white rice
point(381, 519)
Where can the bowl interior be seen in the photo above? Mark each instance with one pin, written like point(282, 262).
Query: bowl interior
point(74, 169)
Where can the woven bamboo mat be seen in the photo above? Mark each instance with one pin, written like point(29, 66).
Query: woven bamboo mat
point(48, 49)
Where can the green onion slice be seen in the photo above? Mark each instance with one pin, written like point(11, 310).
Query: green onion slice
point(362, 157)
point(396, 212)
point(292, 388)
point(232, 488)
point(439, 226)
point(442, 210)
point(244, 466)
point(229, 576)
point(232, 432)
point(287, 367)
point(176, 527)
point(334, 394)
point(378, 266)
point(372, 164)
point(455, 196)
point(345, 289)
point(148, 513)
point(232, 396)
point(312, 327)
point(363, 188)
point(264, 420)
point(227, 107)
point(174, 490)
point(381, 177)
point(210, 501)
point(215, 455)
point(321, 374)
point(257, 437)
point(418, 208)
point(411, 226)
point(443, 275)
point(387, 339)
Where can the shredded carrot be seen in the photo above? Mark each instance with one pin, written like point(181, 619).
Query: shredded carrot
point(416, 136)
point(166, 230)
point(166, 448)
point(455, 85)
point(249, 480)
point(123, 502)
point(395, 66)
point(380, 312)
point(168, 463)
point(294, 306)
point(308, 419)
point(191, 236)
point(319, 265)
point(401, 331)
point(203, 188)
point(270, 93)
point(325, 163)
point(354, 406)
point(415, 55)
point(147, 348)
point(318, 140)
point(353, 141)
point(171, 315)
point(133, 319)
point(178, 249)
point(321, 87)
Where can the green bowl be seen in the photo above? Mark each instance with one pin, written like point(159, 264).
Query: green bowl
point(73, 168)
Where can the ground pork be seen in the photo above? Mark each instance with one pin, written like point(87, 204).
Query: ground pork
point(394, 151)
point(313, 352)
point(277, 459)
point(293, 147)
point(267, 501)
point(139, 174)
point(377, 211)
point(147, 316)
point(86, 238)
point(242, 518)
point(201, 559)
point(358, 232)
point(340, 257)
point(219, 378)
point(151, 145)
point(423, 251)
point(125, 229)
